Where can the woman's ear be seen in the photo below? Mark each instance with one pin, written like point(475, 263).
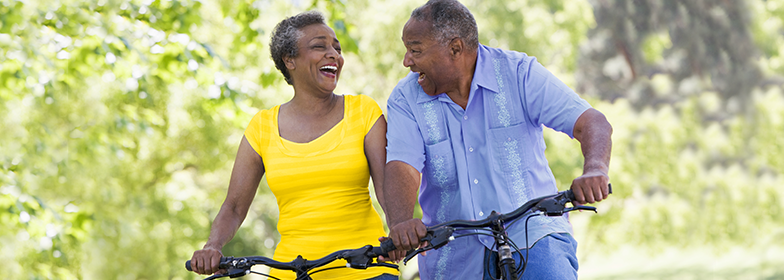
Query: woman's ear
point(289, 61)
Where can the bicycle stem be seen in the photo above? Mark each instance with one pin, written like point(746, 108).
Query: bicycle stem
point(506, 261)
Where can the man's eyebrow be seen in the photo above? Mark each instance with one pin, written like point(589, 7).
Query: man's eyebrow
point(413, 42)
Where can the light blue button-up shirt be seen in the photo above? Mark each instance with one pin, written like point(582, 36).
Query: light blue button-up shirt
point(488, 157)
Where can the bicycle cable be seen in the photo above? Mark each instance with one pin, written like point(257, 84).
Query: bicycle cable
point(308, 273)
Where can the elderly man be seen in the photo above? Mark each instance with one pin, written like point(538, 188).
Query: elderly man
point(469, 120)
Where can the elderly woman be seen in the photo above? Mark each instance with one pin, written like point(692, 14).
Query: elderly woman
point(318, 151)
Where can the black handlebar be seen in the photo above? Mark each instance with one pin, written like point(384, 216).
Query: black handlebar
point(360, 258)
point(437, 236)
point(440, 234)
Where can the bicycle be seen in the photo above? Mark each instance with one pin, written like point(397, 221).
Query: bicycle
point(360, 258)
point(437, 236)
point(551, 205)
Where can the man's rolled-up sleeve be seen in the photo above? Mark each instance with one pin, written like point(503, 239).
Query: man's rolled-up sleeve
point(404, 140)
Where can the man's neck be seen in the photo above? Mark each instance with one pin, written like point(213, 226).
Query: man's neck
point(466, 76)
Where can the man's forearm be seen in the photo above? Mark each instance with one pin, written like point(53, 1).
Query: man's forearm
point(595, 141)
point(401, 182)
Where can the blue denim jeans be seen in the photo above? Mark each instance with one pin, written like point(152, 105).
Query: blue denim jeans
point(552, 257)
point(385, 276)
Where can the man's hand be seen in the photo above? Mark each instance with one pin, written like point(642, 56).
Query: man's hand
point(591, 187)
point(205, 261)
point(406, 236)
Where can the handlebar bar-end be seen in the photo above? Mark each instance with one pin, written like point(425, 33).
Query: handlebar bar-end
point(188, 265)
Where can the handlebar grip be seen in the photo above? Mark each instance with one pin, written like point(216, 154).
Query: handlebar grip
point(388, 246)
point(570, 194)
point(222, 261)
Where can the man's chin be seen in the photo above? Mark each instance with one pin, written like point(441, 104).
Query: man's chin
point(428, 89)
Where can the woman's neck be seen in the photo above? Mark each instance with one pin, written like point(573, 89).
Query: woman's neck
point(313, 105)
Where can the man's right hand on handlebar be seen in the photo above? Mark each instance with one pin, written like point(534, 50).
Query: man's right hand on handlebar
point(205, 261)
point(406, 236)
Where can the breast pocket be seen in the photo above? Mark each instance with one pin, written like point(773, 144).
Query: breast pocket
point(509, 146)
point(442, 187)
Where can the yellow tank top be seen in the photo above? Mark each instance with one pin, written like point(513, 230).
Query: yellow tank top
point(321, 188)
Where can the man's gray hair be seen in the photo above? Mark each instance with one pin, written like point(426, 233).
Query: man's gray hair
point(450, 19)
point(285, 36)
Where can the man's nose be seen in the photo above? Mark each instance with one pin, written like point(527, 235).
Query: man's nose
point(407, 61)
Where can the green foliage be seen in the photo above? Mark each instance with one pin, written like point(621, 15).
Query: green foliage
point(121, 119)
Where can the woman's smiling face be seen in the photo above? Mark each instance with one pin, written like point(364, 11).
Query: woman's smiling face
point(319, 61)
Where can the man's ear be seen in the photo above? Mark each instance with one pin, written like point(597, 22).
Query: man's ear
point(456, 47)
point(289, 61)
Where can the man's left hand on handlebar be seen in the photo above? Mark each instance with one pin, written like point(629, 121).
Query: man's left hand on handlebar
point(591, 187)
point(406, 236)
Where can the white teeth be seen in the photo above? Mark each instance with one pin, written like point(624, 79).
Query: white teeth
point(329, 67)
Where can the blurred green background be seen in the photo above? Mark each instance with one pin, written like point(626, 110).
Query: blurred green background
point(119, 122)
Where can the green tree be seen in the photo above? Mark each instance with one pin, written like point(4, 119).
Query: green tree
point(121, 119)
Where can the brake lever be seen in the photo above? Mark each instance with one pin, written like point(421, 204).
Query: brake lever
point(581, 207)
point(435, 239)
point(552, 207)
point(359, 259)
point(413, 253)
point(238, 272)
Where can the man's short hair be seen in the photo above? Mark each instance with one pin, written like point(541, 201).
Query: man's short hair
point(285, 37)
point(450, 19)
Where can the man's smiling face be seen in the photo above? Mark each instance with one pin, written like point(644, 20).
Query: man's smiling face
point(428, 57)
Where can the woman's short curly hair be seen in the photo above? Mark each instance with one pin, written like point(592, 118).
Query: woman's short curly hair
point(285, 36)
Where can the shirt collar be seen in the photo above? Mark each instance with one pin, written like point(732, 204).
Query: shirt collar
point(484, 74)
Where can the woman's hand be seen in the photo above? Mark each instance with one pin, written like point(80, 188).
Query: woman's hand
point(205, 261)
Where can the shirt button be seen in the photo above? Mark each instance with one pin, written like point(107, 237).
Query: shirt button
point(470, 149)
point(465, 117)
point(481, 214)
point(476, 181)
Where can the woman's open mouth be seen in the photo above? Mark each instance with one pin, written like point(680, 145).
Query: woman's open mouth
point(329, 70)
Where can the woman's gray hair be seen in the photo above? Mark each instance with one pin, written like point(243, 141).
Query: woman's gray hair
point(450, 19)
point(285, 36)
